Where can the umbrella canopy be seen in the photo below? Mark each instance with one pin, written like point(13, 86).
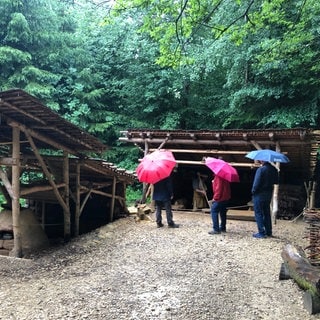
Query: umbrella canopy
point(156, 166)
point(267, 155)
point(222, 169)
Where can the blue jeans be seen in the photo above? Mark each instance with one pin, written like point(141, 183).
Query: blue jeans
point(167, 206)
point(219, 207)
point(261, 206)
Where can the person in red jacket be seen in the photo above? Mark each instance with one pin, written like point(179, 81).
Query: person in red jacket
point(221, 196)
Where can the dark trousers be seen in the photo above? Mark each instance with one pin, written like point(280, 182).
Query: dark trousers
point(219, 208)
point(167, 206)
point(261, 205)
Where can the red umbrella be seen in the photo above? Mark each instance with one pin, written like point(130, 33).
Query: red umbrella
point(222, 169)
point(156, 166)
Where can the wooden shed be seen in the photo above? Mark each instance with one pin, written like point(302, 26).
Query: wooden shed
point(297, 178)
point(54, 164)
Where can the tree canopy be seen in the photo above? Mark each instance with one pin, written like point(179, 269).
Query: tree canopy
point(186, 64)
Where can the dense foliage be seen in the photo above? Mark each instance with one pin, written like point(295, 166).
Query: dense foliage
point(189, 64)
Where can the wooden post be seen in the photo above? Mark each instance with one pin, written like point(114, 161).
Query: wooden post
point(77, 211)
point(46, 172)
point(124, 188)
point(17, 249)
point(145, 186)
point(43, 214)
point(275, 197)
point(114, 185)
point(313, 195)
point(66, 211)
point(275, 203)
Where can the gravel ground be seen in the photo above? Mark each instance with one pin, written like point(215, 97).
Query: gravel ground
point(133, 270)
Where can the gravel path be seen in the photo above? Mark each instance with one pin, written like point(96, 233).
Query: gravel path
point(132, 270)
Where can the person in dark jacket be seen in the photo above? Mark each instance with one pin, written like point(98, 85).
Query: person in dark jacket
point(221, 196)
point(162, 195)
point(262, 189)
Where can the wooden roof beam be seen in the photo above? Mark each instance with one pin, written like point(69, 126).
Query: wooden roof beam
point(201, 151)
point(164, 141)
point(256, 145)
point(70, 137)
point(234, 164)
point(215, 142)
point(43, 188)
point(28, 115)
point(40, 137)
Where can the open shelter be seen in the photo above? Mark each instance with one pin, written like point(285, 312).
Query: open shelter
point(190, 147)
point(54, 165)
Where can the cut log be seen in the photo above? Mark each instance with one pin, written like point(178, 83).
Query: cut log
point(311, 302)
point(143, 212)
point(284, 273)
point(300, 269)
point(297, 266)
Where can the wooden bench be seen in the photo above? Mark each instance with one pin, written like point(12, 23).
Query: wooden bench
point(234, 214)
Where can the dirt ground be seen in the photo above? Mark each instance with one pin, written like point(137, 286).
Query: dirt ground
point(133, 270)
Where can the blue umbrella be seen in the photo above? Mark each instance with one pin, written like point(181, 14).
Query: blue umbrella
point(267, 155)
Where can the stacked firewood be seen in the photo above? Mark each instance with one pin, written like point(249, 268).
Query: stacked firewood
point(312, 218)
point(291, 201)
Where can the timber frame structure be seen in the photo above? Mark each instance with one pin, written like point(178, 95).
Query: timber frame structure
point(29, 132)
point(191, 147)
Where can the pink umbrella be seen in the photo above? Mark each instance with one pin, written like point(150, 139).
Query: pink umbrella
point(222, 169)
point(156, 166)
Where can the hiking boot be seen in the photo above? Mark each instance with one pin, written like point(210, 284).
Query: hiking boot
point(173, 225)
point(214, 232)
point(259, 235)
point(159, 225)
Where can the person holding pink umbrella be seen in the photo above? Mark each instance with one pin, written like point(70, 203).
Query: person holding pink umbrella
point(221, 196)
point(224, 174)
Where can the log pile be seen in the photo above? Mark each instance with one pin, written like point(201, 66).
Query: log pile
point(291, 201)
point(6, 243)
point(312, 218)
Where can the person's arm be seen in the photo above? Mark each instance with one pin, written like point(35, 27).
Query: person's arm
point(170, 187)
point(276, 176)
point(216, 189)
point(257, 181)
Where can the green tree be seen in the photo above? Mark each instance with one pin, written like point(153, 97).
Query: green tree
point(33, 36)
point(261, 65)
